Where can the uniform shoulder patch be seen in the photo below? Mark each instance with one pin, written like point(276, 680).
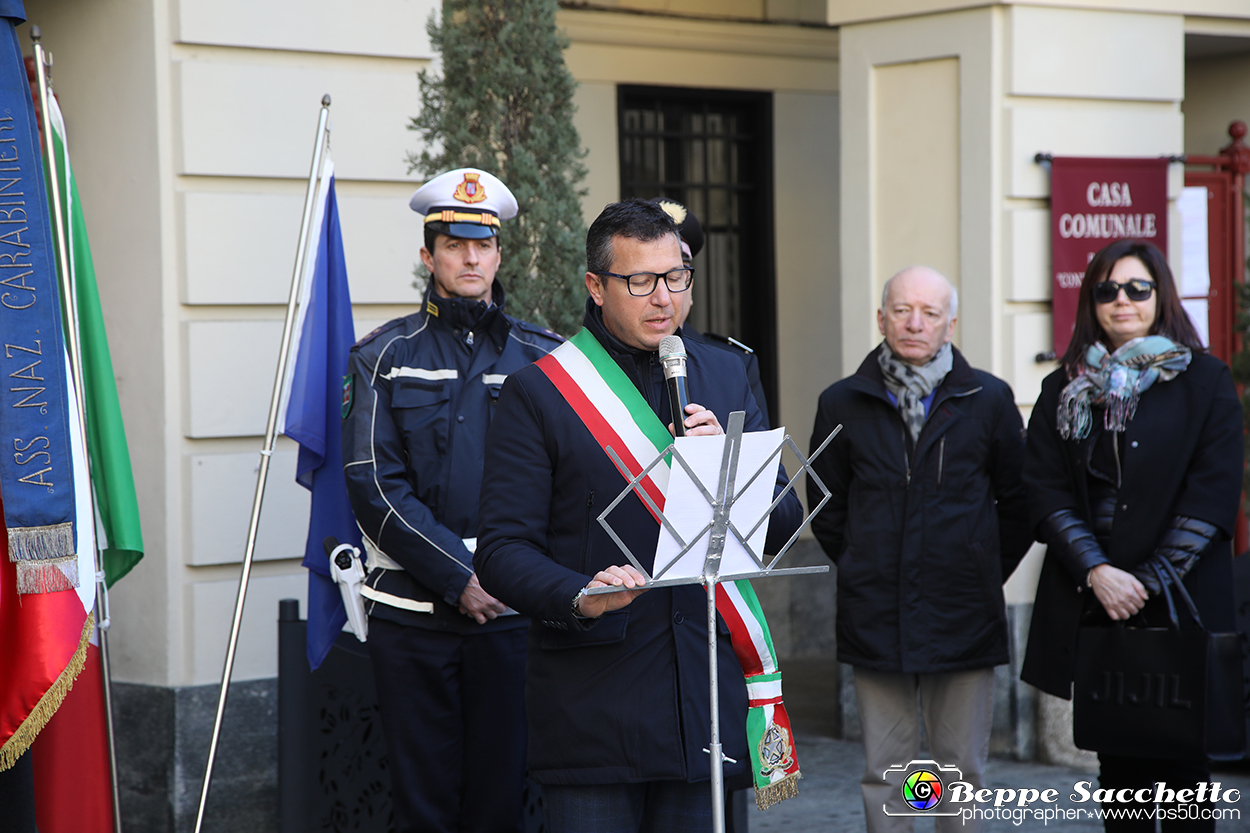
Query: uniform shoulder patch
point(728, 340)
point(389, 325)
point(546, 332)
point(346, 401)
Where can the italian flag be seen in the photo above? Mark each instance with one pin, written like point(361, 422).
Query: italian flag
point(618, 417)
point(73, 782)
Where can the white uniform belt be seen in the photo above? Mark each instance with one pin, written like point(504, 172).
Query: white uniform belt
point(378, 560)
point(392, 600)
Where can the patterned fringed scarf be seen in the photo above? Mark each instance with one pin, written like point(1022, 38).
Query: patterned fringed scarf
point(910, 383)
point(1116, 381)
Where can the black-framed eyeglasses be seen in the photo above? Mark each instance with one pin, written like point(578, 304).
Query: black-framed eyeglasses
point(643, 284)
point(1137, 289)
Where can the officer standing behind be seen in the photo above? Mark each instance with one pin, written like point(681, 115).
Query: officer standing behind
point(691, 231)
point(448, 658)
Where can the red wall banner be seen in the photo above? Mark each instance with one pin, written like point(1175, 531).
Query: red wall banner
point(1094, 202)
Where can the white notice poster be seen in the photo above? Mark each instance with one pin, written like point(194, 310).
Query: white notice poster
point(690, 512)
point(1195, 270)
point(1198, 312)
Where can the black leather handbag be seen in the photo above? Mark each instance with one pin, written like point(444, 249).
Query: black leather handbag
point(1160, 692)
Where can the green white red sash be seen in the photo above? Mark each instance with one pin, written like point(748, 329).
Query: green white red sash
point(616, 414)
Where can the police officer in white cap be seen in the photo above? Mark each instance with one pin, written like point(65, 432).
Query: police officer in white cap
point(448, 658)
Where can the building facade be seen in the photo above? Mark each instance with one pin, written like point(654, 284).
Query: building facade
point(825, 144)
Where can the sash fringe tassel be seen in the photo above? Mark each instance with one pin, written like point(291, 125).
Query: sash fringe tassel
point(41, 543)
point(47, 577)
point(51, 700)
point(787, 787)
point(45, 558)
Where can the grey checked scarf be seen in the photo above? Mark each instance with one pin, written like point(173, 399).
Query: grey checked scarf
point(910, 384)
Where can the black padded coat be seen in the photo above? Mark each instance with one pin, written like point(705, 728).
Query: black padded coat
point(1182, 456)
point(923, 534)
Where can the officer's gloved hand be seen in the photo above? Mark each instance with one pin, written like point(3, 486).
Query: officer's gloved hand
point(1181, 544)
point(1072, 542)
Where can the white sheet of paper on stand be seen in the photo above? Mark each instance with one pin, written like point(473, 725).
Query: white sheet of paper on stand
point(689, 511)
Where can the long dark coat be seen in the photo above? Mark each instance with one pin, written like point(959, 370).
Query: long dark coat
point(625, 700)
point(924, 536)
point(1182, 456)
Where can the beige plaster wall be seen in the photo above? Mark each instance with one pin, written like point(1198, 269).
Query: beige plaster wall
point(805, 145)
point(920, 174)
point(192, 182)
point(915, 140)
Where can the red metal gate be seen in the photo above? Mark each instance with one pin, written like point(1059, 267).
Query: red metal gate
point(1224, 175)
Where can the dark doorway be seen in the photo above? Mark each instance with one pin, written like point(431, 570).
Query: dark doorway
point(711, 150)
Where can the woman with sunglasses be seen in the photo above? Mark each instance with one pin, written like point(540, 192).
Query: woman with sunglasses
point(1134, 458)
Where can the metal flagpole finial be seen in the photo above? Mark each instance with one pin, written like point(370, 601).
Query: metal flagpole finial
point(35, 34)
point(325, 100)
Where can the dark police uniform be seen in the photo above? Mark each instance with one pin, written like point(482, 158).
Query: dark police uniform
point(750, 363)
point(417, 402)
point(691, 231)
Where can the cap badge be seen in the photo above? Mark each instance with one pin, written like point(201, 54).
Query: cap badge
point(470, 191)
point(675, 210)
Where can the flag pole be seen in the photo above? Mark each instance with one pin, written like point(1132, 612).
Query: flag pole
point(69, 301)
point(271, 427)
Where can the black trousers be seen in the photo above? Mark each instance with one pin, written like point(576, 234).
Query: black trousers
point(1117, 772)
point(453, 715)
point(17, 796)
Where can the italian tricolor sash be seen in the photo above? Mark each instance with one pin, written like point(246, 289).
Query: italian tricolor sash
point(616, 414)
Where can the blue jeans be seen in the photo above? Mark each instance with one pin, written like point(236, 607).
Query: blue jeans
point(649, 807)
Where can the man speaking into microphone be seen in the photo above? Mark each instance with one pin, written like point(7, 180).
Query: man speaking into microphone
point(617, 684)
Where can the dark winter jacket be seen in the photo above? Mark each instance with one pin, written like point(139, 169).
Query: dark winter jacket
point(420, 395)
point(924, 535)
point(625, 699)
point(1182, 455)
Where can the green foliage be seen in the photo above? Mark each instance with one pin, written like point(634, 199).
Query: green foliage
point(504, 103)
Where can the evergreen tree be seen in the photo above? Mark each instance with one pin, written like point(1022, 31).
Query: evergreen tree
point(504, 104)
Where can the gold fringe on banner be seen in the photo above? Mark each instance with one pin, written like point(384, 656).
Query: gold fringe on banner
point(40, 543)
point(48, 576)
point(51, 700)
point(775, 793)
point(45, 558)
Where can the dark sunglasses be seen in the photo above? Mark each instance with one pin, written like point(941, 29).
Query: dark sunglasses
point(1137, 289)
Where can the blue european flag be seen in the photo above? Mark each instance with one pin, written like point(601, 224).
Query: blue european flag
point(313, 417)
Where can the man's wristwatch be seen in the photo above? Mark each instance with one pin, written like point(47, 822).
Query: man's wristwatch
point(577, 600)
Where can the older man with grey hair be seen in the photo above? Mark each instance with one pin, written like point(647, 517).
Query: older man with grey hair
point(926, 521)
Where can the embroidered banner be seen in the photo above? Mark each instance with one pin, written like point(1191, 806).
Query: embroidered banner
point(35, 472)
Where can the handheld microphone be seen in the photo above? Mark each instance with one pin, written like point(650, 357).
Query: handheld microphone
point(673, 360)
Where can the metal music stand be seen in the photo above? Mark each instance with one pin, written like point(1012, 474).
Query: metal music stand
point(717, 531)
